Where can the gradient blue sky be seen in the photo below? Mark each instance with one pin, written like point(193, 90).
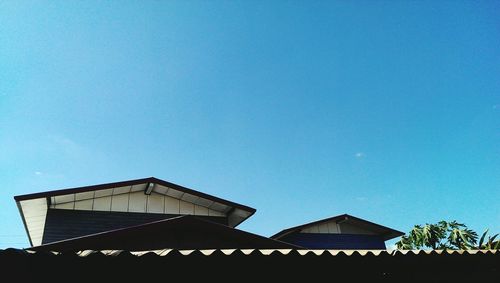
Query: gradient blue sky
point(386, 110)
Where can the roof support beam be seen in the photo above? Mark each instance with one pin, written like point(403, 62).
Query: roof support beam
point(149, 188)
point(342, 220)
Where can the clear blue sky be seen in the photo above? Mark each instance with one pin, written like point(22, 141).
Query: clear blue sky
point(386, 110)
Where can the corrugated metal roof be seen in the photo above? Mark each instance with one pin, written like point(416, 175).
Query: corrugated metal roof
point(253, 265)
point(263, 252)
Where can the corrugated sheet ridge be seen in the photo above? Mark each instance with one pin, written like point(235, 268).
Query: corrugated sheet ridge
point(267, 252)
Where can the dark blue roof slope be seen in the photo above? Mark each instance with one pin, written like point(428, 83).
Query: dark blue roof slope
point(182, 232)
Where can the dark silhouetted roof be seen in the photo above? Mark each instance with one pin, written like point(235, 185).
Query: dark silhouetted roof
point(253, 265)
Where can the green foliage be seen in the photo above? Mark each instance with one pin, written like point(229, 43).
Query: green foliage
point(445, 235)
point(490, 244)
point(461, 237)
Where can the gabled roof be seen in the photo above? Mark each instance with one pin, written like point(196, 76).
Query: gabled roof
point(33, 207)
point(385, 232)
point(182, 232)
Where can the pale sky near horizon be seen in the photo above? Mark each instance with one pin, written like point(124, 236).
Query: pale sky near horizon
point(386, 110)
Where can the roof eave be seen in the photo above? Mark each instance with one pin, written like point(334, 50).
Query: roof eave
point(130, 183)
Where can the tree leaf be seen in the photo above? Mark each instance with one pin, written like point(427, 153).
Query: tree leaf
point(482, 239)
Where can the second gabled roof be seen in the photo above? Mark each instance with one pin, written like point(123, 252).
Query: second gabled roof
point(385, 232)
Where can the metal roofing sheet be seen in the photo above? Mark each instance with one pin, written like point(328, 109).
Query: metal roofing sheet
point(254, 265)
point(264, 252)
